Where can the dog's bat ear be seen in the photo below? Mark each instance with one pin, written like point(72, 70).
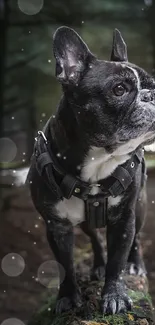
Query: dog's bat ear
point(119, 48)
point(72, 55)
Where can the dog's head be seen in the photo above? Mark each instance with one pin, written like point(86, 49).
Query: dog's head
point(113, 101)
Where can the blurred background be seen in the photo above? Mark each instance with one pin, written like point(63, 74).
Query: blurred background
point(29, 95)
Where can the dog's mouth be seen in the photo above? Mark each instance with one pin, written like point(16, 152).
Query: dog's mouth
point(144, 142)
point(149, 142)
point(121, 141)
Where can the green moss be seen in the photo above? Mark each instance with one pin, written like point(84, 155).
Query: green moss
point(116, 319)
point(111, 319)
point(136, 295)
point(142, 309)
point(46, 315)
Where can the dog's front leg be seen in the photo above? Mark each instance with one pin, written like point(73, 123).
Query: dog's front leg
point(119, 240)
point(61, 239)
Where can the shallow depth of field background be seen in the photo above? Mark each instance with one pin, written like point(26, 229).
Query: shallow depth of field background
point(29, 96)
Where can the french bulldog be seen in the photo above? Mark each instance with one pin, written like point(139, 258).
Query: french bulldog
point(106, 113)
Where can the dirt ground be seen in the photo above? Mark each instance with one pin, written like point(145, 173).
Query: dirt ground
point(23, 232)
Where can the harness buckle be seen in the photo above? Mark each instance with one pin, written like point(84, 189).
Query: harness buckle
point(96, 185)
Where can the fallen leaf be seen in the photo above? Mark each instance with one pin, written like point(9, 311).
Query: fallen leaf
point(130, 317)
point(142, 322)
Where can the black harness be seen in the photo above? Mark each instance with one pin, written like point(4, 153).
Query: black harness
point(64, 185)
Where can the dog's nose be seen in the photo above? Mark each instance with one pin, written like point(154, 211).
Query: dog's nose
point(146, 95)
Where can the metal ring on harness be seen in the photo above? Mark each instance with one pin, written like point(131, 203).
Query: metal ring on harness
point(43, 135)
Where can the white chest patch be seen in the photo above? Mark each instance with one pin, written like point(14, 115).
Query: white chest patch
point(97, 165)
point(73, 209)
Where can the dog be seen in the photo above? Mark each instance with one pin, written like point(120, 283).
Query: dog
point(105, 117)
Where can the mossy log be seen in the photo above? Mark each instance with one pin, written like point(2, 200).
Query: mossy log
point(89, 313)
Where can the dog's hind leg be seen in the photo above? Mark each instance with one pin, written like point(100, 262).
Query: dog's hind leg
point(98, 270)
point(135, 261)
point(136, 264)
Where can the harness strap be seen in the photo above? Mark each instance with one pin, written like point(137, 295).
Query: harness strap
point(123, 180)
point(44, 165)
point(64, 185)
point(73, 186)
point(144, 172)
point(47, 165)
point(96, 211)
point(43, 160)
point(124, 176)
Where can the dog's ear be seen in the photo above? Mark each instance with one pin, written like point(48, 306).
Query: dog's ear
point(72, 55)
point(119, 48)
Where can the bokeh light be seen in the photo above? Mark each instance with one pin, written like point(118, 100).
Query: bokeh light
point(30, 7)
point(13, 264)
point(48, 274)
point(8, 150)
point(12, 321)
point(148, 2)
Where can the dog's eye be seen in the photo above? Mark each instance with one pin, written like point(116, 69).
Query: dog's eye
point(119, 90)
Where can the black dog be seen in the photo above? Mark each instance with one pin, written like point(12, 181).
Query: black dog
point(88, 166)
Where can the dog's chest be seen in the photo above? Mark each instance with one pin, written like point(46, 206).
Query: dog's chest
point(97, 165)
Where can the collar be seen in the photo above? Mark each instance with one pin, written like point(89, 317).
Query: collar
point(50, 170)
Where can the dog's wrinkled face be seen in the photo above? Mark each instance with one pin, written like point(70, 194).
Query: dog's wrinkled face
point(113, 101)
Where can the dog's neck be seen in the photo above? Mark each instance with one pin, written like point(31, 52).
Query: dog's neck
point(74, 153)
point(70, 143)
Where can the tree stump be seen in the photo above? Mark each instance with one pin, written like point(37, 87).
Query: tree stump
point(89, 314)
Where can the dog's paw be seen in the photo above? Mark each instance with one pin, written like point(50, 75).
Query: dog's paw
point(64, 304)
point(136, 269)
point(97, 273)
point(115, 300)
